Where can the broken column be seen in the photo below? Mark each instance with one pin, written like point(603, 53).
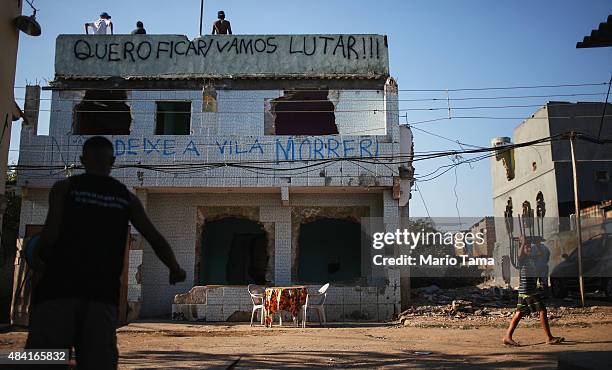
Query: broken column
point(31, 108)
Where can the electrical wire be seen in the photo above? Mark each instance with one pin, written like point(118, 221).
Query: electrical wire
point(310, 163)
point(508, 87)
point(343, 99)
point(371, 110)
point(603, 114)
point(416, 185)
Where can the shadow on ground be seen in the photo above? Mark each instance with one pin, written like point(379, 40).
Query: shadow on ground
point(364, 360)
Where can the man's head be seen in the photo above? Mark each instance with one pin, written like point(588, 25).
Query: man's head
point(139, 24)
point(221, 14)
point(98, 156)
point(105, 15)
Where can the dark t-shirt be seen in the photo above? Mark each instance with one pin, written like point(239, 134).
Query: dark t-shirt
point(139, 31)
point(87, 260)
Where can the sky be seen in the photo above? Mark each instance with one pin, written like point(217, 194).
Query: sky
point(433, 44)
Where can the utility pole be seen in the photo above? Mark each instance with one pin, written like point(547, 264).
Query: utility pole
point(201, 15)
point(577, 210)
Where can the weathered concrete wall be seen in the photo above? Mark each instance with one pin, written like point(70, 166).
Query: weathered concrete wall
point(583, 118)
point(552, 173)
point(554, 159)
point(9, 40)
point(224, 55)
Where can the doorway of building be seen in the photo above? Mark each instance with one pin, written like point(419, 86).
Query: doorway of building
point(329, 251)
point(233, 252)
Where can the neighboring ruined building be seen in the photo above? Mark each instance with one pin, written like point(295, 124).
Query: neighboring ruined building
point(486, 227)
point(483, 246)
point(540, 176)
point(256, 156)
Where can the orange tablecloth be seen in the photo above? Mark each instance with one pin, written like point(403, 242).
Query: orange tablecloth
point(289, 299)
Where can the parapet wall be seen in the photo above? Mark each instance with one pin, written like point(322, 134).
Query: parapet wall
point(306, 56)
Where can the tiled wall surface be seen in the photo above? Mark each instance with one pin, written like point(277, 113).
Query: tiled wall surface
point(220, 137)
point(180, 230)
point(366, 120)
point(343, 303)
point(175, 217)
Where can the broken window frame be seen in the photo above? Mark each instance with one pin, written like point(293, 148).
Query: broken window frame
point(102, 112)
point(303, 113)
point(160, 127)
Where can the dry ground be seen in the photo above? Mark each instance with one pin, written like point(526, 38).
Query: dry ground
point(424, 343)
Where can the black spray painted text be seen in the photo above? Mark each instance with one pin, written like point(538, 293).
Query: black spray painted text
point(353, 47)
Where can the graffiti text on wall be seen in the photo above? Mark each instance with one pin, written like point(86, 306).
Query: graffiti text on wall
point(346, 46)
point(286, 149)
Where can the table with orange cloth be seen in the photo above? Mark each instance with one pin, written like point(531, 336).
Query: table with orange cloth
point(290, 299)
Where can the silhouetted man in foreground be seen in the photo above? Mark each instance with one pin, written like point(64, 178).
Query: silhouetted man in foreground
point(221, 26)
point(80, 260)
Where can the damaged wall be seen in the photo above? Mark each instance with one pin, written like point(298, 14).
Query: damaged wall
point(301, 112)
point(305, 215)
point(237, 113)
point(205, 215)
point(102, 112)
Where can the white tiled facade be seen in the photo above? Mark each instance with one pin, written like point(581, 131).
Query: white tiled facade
point(368, 126)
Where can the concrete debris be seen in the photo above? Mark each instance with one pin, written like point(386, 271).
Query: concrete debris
point(472, 303)
point(197, 295)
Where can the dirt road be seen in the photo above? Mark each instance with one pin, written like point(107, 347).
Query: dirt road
point(455, 345)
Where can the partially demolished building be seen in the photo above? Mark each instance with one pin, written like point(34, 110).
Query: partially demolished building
point(256, 156)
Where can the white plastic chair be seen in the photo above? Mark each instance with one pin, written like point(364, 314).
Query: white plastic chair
point(316, 301)
point(257, 297)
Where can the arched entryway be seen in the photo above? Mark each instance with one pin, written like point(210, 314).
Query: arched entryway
point(233, 252)
point(329, 251)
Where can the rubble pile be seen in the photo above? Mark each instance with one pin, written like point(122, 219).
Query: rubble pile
point(475, 303)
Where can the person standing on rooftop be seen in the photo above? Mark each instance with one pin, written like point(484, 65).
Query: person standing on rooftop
point(140, 30)
point(101, 26)
point(221, 26)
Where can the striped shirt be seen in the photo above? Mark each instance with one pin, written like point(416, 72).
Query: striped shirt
point(527, 273)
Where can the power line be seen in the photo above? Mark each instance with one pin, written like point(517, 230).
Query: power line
point(343, 99)
point(309, 163)
point(500, 118)
point(360, 90)
point(508, 87)
point(416, 185)
point(430, 176)
point(603, 114)
point(444, 137)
